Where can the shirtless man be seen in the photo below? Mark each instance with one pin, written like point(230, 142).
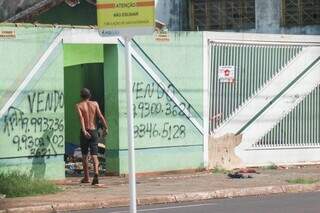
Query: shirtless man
point(88, 112)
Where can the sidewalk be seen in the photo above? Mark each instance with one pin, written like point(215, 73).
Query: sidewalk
point(164, 189)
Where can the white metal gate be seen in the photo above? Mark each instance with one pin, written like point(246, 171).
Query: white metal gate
point(273, 101)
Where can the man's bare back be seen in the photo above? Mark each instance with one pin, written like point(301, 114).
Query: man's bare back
point(88, 112)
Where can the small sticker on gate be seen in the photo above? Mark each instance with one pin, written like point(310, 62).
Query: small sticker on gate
point(226, 74)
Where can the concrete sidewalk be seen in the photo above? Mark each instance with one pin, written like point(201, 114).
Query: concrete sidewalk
point(164, 189)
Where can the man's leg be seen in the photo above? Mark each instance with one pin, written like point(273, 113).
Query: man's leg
point(84, 151)
point(85, 168)
point(95, 164)
point(96, 169)
point(94, 154)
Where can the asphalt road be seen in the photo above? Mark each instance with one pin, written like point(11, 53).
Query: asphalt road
point(284, 203)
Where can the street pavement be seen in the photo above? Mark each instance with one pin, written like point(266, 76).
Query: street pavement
point(284, 203)
point(165, 188)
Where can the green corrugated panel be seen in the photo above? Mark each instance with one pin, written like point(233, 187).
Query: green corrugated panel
point(301, 127)
point(255, 66)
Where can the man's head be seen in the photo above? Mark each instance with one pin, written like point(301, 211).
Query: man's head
point(85, 94)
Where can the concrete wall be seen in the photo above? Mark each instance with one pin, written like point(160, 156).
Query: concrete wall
point(164, 138)
point(173, 13)
point(268, 20)
point(268, 16)
point(305, 30)
point(32, 128)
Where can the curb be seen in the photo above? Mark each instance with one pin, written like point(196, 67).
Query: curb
point(173, 198)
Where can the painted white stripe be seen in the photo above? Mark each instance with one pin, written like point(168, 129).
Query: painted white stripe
point(288, 101)
point(282, 155)
point(165, 88)
point(31, 74)
point(172, 207)
point(269, 91)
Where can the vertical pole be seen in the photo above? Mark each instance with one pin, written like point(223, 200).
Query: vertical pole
point(131, 157)
point(206, 99)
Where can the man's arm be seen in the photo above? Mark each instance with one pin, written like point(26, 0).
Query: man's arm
point(100, 116)
point(83, 128)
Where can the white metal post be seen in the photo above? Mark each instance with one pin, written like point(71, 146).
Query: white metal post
point(131, 157)
point(206, 98)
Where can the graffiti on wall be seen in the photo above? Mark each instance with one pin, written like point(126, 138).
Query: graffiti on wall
point(151, 101)
point(38, 131)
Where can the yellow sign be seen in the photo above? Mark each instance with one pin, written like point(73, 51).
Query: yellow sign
point(7, 34)
point(125, 17)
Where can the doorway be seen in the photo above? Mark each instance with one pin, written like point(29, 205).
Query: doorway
point(83, 68)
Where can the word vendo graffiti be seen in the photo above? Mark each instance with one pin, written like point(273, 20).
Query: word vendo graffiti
point(43, 102)
point(151, 102)
point(39, 131)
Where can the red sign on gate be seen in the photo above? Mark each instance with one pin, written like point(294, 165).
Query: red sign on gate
point(226, 74)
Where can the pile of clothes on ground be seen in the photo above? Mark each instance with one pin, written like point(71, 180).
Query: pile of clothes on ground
point(73, 159)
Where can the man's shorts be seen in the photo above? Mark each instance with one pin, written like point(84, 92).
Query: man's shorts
point(91, 143)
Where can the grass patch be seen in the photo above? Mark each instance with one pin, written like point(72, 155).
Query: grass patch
point(302, 181)
point(271, 167)
point(18, 184)
point(219, 170)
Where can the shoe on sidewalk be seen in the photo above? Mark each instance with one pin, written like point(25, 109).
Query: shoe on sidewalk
point(238, 175)
point(95, 180)
point(83, 180)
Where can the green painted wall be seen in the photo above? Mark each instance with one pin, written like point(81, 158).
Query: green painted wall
point(164, 138)
point(46, 167)
point(111, 73)
point(181, 59)
point(32, 129)
point(75, 54)
point(76, 78)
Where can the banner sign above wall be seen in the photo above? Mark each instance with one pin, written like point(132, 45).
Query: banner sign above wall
point(125, 17)
point(226, 74)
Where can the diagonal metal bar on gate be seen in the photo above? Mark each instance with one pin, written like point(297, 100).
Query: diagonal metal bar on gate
point(31, 74)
